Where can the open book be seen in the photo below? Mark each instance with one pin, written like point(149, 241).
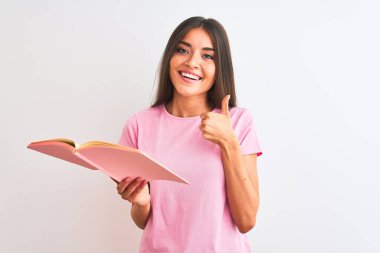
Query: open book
point(114, 160)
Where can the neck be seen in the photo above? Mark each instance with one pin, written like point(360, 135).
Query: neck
point(187, 107)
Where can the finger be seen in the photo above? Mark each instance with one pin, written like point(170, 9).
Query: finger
point(203, 126)
point(140, 188)
point(132, 186)
point(123, 184)
point(204, 115)
point(225, 103)
point(206, 135)
point(205, 121)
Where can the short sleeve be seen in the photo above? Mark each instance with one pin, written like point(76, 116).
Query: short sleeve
point(246, 134)
point(129, 135)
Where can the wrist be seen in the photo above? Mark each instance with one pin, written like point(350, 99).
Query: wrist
point(141, 206)
point(229, 143)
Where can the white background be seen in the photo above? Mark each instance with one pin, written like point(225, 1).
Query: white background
point(307, 70)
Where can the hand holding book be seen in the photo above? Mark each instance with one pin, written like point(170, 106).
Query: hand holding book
point(135, 190)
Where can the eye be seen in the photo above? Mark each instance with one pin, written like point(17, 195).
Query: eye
point(181, 51)
point(208, 56)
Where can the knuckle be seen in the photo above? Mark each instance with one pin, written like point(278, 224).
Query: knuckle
point(128, 192)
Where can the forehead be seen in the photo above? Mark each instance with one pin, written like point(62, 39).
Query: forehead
point(198, 37)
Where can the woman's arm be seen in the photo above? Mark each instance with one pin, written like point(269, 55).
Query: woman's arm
point(241, 184)
point(136, 191)
point(240, 171)
point(140, 215)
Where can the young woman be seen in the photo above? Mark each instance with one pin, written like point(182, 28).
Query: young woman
point(196, 130)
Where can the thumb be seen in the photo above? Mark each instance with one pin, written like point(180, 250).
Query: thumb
point(225, 102)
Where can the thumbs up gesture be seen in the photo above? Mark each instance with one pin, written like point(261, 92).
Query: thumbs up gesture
point(216, 127)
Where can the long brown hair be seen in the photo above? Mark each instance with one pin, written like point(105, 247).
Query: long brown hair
point(224, 74)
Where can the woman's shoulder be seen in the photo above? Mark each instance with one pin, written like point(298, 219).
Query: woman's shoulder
point(150, 110)
point(147, 113)
point(240, 112)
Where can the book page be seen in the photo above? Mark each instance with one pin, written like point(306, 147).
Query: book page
point(60, 148)
point(119, 162)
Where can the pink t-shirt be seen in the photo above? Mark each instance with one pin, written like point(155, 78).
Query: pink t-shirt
point(196, 217)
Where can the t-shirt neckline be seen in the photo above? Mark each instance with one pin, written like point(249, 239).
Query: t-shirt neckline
point(182, 118)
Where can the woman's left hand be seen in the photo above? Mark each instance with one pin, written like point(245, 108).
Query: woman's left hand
point(216, 127)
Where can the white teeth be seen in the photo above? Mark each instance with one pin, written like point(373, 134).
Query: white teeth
point(190, 76)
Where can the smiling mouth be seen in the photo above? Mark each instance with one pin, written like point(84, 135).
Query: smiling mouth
point(190, 76)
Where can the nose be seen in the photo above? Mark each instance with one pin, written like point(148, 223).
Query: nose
point(193, 61)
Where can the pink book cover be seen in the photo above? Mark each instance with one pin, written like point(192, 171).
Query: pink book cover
point(114, 160)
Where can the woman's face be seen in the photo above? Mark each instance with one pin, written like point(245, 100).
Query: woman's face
point(192, 66)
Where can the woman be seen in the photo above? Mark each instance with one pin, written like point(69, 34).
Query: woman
point(195, 129)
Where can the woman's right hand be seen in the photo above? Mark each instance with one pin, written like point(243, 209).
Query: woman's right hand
point(135, 190)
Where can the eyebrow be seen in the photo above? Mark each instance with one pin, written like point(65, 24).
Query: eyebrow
point(189, 45)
